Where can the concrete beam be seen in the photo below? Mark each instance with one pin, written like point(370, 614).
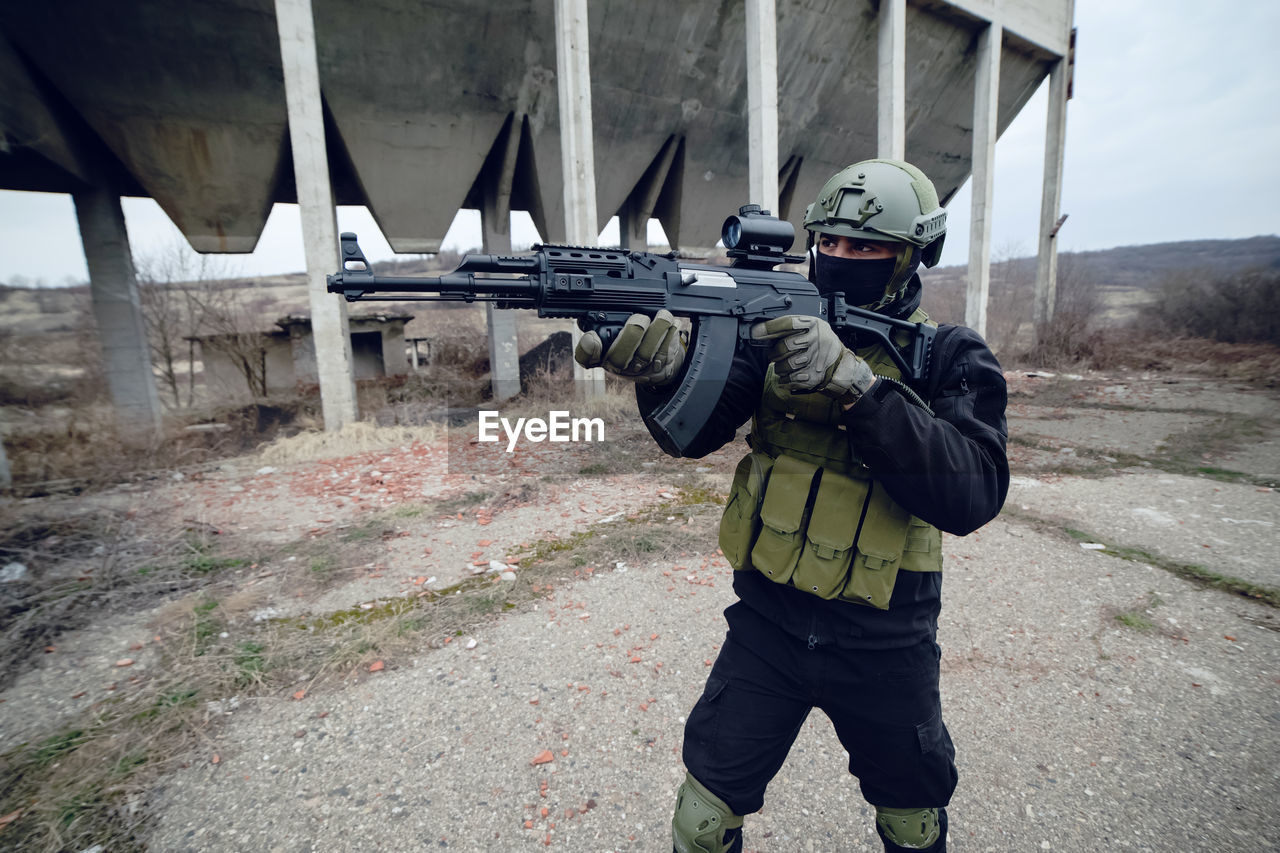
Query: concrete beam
point(1055, 139)
point(633, 218)
point(495, 223)
point(986, 106)
point(315, 199)
point(788, 177)
point(117, 308)
point(416, 92)
point(891, 124)
point(189, 104)
point(1044, 23)
point(762, 103)
point(26, 120)
point(573, 79)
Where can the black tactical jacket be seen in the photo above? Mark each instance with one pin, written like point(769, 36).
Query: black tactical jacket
point(948, 468)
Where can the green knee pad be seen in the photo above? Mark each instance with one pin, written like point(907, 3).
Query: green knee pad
point(914, 829)
point(701, 819)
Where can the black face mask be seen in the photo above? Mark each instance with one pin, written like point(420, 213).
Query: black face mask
point(862, 282)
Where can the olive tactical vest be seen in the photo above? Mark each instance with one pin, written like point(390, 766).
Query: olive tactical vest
point(805, 511)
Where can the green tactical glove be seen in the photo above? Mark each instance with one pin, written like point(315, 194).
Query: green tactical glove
point(808, 356)
point(649, 352)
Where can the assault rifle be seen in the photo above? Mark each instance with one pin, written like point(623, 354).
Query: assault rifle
point(601, 288)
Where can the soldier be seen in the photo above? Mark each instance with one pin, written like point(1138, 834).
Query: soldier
point(833, 522)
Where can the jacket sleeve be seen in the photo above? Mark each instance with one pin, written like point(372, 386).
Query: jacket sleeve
point(738, 401)
point(948, 468)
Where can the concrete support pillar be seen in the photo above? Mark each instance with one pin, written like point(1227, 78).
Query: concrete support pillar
point(504, 350)
point(1054, 145)
point(315, 198)
point(633, 231)
point(986, 103)
point(573, 81)
point(762, 103)
point(891, 124)
point(495, 226)
point(118, 310)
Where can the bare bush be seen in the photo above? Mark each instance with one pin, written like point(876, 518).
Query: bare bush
point(1148, 349)
point(1071, 336)
point(1241, 307)
point(1011, 303)
point(944, 296)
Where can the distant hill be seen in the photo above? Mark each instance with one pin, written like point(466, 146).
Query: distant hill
point(1144, 267)
point(1127, 275)
point(1138, 265)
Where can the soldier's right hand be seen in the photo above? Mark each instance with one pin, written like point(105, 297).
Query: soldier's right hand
point(648, 352)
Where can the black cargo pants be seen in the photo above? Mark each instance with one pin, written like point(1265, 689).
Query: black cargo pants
point(884, 704)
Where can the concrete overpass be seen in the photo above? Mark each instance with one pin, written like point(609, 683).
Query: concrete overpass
point(679, 110)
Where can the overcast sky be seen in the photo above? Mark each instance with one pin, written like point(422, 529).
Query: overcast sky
point(1173, 134)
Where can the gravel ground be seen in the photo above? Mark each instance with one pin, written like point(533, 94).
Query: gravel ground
point(1229, 528)
point(1074, 732)
point(561, 724)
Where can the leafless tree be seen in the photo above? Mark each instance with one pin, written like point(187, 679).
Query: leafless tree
point(184, 296)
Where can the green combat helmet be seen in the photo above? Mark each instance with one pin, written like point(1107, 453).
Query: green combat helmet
point(886, 200)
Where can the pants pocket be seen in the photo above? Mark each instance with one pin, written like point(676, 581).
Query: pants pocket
point(828, 545)
point(929, 734)
point(782, 518)
point(740, 522)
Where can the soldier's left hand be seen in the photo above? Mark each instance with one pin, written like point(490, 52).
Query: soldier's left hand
point(808, 356)
point(646, 351)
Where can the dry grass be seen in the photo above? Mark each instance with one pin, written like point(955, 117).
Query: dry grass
point(78, 447)
point(1252, 363)
point(90, 565)
point(545, 391)
point(353, 438)
point(83, 783)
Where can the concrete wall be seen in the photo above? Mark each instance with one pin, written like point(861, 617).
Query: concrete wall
point(387, 357)
point(227, 383)
point(395, 358)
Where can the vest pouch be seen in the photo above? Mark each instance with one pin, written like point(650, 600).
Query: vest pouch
point(828, 545)
point(923, 551)
point(782, 517)
point(880, 543)
point(740, 521)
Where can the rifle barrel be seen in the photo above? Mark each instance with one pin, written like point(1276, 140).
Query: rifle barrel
point(453, 283)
